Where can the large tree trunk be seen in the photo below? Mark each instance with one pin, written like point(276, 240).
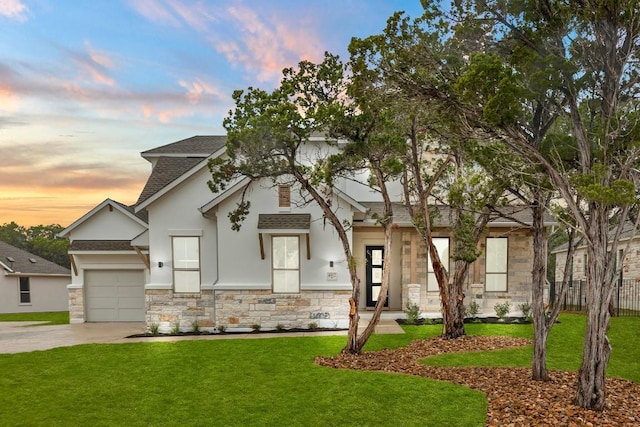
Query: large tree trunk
point(590, 391)
point(453, 304)
point(540, 330)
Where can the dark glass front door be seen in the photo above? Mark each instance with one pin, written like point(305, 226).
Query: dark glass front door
point(375, 256)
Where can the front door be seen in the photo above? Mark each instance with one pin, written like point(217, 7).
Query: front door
point(375, 256)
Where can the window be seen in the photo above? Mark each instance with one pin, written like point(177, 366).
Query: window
point(496, 268)
point(284, 196)
point(25, 291)
point(286, 263)
point(186, 264)
point(442, 245)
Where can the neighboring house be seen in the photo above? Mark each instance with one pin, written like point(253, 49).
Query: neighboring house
point(627, 289)
point(173, 258)
point(31, 284)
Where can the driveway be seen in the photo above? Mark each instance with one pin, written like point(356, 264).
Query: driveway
point(18, 337)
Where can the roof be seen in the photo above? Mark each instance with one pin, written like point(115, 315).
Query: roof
point(140, 217)
point(100, 245)
point(628, 232)
point(509, 215)
point(285, 221)
point(196, 146)
point(22, 262)
point(167, 170)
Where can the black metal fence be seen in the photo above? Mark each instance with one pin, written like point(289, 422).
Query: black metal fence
point(625, 300)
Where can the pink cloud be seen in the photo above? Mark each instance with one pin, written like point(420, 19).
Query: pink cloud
point(14, 9)
point(156, 11)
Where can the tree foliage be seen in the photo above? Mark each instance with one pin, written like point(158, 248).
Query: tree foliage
point(39, 240)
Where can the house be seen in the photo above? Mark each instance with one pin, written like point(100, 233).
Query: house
point(626, 295)
point(173, 259)
point(30, 284)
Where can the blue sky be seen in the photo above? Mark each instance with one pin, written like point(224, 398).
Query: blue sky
point(85, 86)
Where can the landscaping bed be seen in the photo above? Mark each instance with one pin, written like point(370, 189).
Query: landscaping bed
point(495, 320)
point(513, 398)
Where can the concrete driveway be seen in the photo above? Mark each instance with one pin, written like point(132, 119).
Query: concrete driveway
point(18, 337)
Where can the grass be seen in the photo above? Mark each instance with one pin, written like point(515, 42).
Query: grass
point(50, 317)
point(269, 382)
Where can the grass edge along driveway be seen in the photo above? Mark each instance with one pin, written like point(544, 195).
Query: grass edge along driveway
point(257, 382)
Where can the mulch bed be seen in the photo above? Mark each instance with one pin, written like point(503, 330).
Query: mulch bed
point(513, 398)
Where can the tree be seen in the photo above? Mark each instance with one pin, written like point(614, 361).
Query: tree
point(588, 52)
point(266, 133)
point(39, 240)
point(436, 154)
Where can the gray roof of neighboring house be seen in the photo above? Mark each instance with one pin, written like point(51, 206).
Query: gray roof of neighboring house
point(196, 145)
point(100, 245)
point(628, 232)
point(284, 221)
point(510, 215)
point(22, 262)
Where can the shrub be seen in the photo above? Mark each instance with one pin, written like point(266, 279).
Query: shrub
point(413, 312)
point(255, 327)
point(195, 327)
point(175, 329)
point(502, 309)
point(279, 327)
point(525, 308)
point(222, 328)
point(154, 329)
point(313, 326)
point(472, 310)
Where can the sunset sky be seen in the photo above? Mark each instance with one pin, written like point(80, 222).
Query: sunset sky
point(85, 86)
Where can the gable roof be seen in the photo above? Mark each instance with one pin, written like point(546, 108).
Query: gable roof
point(175, 162)
point(166, 171)
point(23, 262)
point(196, 146)
point(140, 218)
point(286, 221)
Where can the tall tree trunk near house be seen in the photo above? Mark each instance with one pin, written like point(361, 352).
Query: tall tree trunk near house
point(538, 275)
point(384, 287)
point(590, 391)
point(453, 311)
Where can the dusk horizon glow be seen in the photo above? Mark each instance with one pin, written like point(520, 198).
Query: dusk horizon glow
point(86, 86)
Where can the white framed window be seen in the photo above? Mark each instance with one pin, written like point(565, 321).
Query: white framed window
point(186, 263)
point(25, 290)
point(496, 257)
point(442, 245)
point(285, 254)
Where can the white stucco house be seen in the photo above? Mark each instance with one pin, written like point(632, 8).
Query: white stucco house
point(31, 284)
point(173, 258)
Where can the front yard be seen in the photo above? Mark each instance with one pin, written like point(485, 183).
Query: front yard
point(268, 382)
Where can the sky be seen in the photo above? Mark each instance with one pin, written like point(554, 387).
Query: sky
point(85, 86)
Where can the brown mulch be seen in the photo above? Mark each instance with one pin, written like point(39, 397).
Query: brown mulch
point(514, 399)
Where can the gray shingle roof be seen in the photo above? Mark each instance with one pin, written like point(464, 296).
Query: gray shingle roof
point(510, 214)
point(100, 245)
point(22, 264)
point(284, 221)
point(143, 215)
point(195, 146)
point(166, 171)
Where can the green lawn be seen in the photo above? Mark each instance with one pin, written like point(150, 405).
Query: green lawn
point(51, 317)
point(268, 382)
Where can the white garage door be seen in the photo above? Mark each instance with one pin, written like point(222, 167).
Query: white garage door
point(114, 295)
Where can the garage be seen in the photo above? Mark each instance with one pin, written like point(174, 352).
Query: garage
point(114, 295)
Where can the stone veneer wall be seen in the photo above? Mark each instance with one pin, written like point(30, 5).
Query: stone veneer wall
point(520, 260)
point(76, 305)
point(242, 309)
